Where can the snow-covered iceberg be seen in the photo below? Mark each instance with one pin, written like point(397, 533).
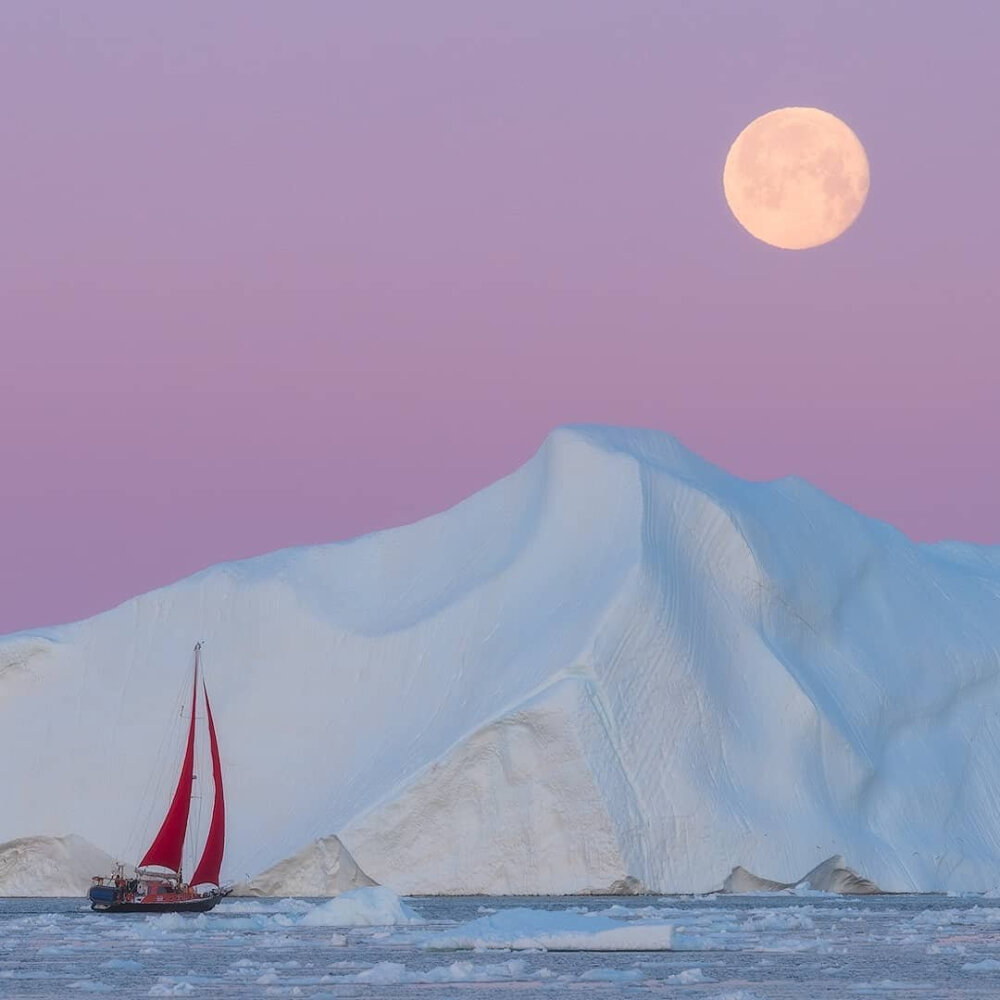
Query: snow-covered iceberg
point(50, 866)
point(832, 875)
point(323, 868)
point(618, 662)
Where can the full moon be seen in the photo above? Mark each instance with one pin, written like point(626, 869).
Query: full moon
point(796, 177)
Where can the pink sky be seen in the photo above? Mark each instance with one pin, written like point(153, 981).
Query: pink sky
point(274, 274)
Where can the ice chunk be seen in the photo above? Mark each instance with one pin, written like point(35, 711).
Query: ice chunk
point(374, 906)
point(383, 974)
point(688, 976)
point(167, 987)
point(611, 975)
point(986, 965)
point(123, 965)
point(392, 973)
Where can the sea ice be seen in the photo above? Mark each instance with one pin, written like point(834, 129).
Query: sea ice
point(611, 975)
point(986, 965)
point(274, 952)
point(523, 929)
point(388, 973)
point(122, 965)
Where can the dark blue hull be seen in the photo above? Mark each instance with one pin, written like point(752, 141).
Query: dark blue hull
point(108, 899)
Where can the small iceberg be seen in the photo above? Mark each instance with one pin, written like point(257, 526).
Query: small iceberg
point(322, 868)
point(50, 866)
point(832, 875)
point(372, 906)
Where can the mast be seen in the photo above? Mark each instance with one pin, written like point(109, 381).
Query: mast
point(207, 871)
point(167, 846)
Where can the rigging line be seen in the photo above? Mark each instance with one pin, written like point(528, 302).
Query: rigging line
point(170, 752)
point(157, 775)
point(159, 801)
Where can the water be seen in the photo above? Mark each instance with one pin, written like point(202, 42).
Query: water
point(741, 948)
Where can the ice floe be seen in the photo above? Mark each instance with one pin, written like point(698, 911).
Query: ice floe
point(986, 965)
point(554, 930)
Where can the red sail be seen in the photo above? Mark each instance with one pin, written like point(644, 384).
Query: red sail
point(207, 871)
point(165, 851)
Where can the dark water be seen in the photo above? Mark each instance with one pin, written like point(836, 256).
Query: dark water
point(737, 948)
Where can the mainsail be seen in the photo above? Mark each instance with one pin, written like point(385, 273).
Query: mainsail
point(165, 851)
point(207, 871)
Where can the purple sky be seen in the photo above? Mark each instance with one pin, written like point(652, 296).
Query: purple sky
point(281, 273)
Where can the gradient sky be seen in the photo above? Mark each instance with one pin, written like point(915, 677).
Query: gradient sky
point(280, 273)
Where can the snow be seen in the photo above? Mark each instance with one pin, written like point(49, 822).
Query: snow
point(49, 866)
point(523, 929)
point(618, 662)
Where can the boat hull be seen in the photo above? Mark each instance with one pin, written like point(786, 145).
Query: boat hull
point(126, 903)
point(185, 906)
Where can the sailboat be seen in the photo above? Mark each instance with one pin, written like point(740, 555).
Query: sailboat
point(158, 884)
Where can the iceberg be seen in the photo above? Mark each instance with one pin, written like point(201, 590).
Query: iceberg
point(832, 875)
point(372, 906)
point(619, 665)
point(50, 866)
point(323, 868)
